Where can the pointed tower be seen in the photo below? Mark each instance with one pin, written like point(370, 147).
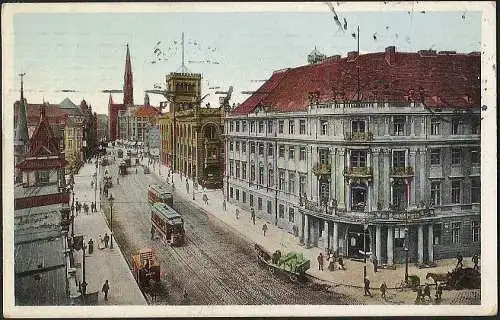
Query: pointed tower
point(21, 136)
point(128, 87)
point(146, 99)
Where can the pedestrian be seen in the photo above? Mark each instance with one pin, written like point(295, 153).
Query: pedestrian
point(187, 186)
point(152, 232)
point(135, 170)
point(475, 260)
point(439, 292)
point(224, 204)
point(419, 297)
point(427, 291)
point(105, 289)
point(83, 288)
point(375, 263)
point(383, 288)
point(320, 261)
point(91, 246)
point(341, 263)
point(459, 261)
point(92, 183)
point(252, 213)
point(331, 264)
point(264, 229)
point(367, 287)
point(117, 180)
point(237, 213)
point(205, 198)
point(106, 240)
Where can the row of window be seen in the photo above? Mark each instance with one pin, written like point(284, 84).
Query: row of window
point(234, 193)
point(399, 124)
point(456, 191)
point(456, 230)
point(358, 158)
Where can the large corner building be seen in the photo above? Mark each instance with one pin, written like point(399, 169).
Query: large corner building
point(377, 152)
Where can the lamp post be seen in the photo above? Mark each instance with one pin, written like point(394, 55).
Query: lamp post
point(95, 187)
point(365, 226)
point(406, 255)
point(73, 215)
point(111, 200)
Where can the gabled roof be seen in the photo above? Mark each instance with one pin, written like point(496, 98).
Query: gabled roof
point(147, 112)
point(43, 145)
point(446, 80)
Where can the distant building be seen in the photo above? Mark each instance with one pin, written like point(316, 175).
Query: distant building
point(102, 127)
point(89, 129)
point(394, 155)
point(196, 148)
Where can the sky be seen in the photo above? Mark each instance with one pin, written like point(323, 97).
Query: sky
point(85, 51)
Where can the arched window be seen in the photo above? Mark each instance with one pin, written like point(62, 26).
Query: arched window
point(261, 174)
point(210, 131)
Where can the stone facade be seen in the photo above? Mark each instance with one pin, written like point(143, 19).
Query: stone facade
point(404, 174)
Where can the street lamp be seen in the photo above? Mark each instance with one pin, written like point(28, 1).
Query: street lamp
point(111, 200)
point(365, 226)
point(406, 254)
point(95, 187)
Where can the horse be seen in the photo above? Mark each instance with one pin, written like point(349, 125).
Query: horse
point(438, 277)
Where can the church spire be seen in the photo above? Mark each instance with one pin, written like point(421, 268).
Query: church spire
point(128, 87)
point(21, 134)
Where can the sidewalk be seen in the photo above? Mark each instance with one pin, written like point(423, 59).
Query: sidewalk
point(277, 238)
point(106, 264)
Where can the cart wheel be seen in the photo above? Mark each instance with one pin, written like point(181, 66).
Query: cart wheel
point(294, 278)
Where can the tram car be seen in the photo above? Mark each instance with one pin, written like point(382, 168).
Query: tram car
point(146, 267)
point(167, 224)
point(161, 193)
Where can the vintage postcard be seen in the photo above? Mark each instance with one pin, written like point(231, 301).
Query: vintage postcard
point(249, 159)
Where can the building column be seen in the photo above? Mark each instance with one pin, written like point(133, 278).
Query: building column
point(335, 245)
point(420, 243)
point(348, 197)
point(422, 178)
point(385, 179)
point(306, 230)
point(390, 245)
point(412, 194)
point(301, 229)
point(378, 245)
point(430, 243)
point(341, 179)
point(325, 236)
point(376, 180)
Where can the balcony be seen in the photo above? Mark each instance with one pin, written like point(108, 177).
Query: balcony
point(358, 136)
point(322, 169)
point(362, 172)
point(402, 172)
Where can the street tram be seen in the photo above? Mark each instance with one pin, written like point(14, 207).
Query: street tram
point(168, 224)
point(161, 193)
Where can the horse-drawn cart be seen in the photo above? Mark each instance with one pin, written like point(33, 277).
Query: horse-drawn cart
point(292, 265)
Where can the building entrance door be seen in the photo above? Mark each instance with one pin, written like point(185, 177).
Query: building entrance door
point(355, 244)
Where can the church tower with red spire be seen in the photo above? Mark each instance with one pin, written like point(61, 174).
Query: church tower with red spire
point(128, 86)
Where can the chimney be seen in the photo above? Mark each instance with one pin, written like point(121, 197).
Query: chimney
point(390, 55)
point(352, 54)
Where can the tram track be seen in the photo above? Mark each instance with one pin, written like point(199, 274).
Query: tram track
point(215, 266)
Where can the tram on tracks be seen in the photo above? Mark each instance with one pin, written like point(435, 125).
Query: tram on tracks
point(168, 224)
point(161, 193)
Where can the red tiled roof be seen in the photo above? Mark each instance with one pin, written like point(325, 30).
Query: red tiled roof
point(34, 164)
point(440, 80)
point(147, 112)
point(53, 113)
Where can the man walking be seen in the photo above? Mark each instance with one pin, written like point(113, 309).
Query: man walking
point(375, 263)
point(367, 287)
point(320, 261)
point(459, 261)
point(237, 213)
point(475, 260)
point(187, 186)
point(264, 229)
point(252, 213)
point(106, 239)
point(383, 288)
point(105, 289)
point(205, 198)
point(224, 204)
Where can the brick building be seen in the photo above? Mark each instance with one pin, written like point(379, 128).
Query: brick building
point(382, 147)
